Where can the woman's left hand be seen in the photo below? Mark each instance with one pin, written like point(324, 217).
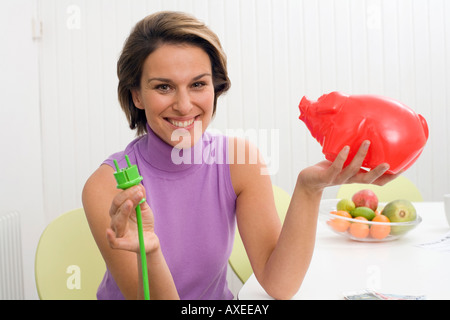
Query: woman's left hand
point(325, 173)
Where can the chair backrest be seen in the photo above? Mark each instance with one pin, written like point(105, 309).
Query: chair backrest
point(239, 261)
point(68, 263)
point(399, 188)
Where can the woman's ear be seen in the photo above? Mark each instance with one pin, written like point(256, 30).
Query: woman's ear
point(136, 95)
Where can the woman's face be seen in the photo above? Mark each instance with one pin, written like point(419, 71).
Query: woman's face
point(177, 93)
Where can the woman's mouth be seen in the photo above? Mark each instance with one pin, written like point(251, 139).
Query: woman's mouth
point(181, 123)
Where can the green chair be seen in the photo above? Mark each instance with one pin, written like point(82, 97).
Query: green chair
point(239, 261)
point(68, 263)
point(399, 188)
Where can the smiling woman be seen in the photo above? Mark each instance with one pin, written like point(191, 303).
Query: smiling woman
point(149, 34)
point(176, 90)
point(171, 72)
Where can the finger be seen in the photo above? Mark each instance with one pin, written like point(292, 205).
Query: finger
point(123, 203)
point(373, 175)
point(336, 166)
point(135, 194)
point(145, 208)
point(117, 243)
point(111, 237)
point(359, 157)
point(385, 178)
point(379, 171)
point(355, 165)
point(119, 221)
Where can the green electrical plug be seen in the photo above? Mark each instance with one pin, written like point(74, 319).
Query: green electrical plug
point(127, 178)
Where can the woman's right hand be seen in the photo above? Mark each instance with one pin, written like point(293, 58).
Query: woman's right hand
point(327, 173)
point(123, 231)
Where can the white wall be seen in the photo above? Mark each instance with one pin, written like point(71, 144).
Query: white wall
point(278, 51)
point(20, 142)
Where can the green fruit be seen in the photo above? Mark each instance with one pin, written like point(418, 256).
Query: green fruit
point(400, 211)
point(345, 205)
point(365, 212)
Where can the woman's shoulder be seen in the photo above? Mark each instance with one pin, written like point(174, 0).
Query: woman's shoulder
point(246, 163)
point(119, 156)
point(243, 152)
point(101, 181)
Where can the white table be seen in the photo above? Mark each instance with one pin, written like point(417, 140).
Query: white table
point(398, 266)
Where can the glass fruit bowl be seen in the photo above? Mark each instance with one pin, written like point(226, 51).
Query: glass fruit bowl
point(363, 230)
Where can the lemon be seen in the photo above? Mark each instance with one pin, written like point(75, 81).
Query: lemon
point(345, 205)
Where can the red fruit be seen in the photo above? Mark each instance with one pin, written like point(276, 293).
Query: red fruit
point(366, 198)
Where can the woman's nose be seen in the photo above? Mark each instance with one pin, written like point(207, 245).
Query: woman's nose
point(183, 102)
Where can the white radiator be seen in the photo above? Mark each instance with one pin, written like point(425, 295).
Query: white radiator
point(11, 274)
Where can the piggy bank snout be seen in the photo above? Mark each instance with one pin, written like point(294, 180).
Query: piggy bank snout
point(304, 107)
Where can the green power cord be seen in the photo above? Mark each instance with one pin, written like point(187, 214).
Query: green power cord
point(127, 178)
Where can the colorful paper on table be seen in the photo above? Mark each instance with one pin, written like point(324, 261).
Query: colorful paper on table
point(397, 134)
point(369, 294)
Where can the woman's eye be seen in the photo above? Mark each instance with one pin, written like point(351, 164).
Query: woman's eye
point(163, 87)
point(198, 85)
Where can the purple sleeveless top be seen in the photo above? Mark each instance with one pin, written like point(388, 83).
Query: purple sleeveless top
point(193, 202)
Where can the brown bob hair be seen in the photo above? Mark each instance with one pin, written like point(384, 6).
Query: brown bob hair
point(149, 34)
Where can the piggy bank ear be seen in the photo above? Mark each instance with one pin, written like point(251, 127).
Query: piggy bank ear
point(331, 103)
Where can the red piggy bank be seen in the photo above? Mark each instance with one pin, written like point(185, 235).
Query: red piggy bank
point(397, 134)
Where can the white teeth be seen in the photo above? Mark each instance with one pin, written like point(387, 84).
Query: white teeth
point(181, 124)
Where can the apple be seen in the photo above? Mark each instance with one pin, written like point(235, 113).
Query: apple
point(366, 198)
